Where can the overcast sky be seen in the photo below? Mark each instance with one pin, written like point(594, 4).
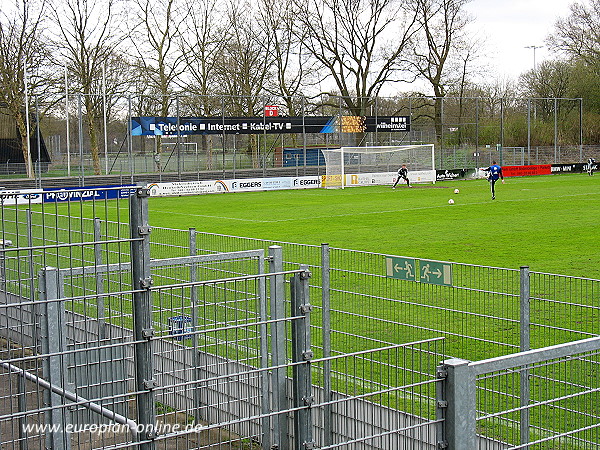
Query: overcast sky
point(511, 25)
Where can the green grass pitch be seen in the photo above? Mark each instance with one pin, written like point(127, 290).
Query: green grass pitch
point(550, 223)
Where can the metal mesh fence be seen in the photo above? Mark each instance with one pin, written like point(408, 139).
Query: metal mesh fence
point(48, 373)
point(548, 404)
point(79, 370)
point(222, 355)
point(480, 312)
point(563, 309)
point(387, 396)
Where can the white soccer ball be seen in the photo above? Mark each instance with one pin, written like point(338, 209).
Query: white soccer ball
point(451, 202)
point(456, 191)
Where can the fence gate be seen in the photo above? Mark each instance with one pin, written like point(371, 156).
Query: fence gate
point(215, 371)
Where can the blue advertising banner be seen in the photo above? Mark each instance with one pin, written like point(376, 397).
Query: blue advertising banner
point(173, 126)
point(53, 195)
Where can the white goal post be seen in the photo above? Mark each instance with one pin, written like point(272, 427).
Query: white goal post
point(359, 166)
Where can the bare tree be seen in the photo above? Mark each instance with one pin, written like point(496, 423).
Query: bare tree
point(22, 50)
point(469, 53)
point(244, 67)
point(245, 64)
point(360, 45)
point(550, 80)
point(293, 68)
point(578, 35)
point(443, 24)
point(203, 40)
point(155, 38)
point(86, 41)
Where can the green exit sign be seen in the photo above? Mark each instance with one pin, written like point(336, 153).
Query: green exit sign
point(401, 268)
point(420, 270)
point(435, 272)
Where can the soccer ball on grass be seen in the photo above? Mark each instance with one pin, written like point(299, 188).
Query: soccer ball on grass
point(456, 191)
point(451, 202)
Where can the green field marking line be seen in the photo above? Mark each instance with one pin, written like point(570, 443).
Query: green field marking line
point(209, 216)
point(394, 211)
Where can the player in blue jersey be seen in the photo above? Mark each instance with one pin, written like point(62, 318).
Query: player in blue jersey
point(494, 174)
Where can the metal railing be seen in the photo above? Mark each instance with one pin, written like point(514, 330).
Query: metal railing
point(534, 399)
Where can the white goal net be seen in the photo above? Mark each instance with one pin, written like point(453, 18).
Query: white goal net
point(352, 166)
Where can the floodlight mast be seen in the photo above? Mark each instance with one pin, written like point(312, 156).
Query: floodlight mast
point(534, 47)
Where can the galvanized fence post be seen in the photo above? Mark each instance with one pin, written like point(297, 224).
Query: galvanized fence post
point(280, 438)
point(302, 354)
point(99, 279)
point(22, 405)
point(195, 325)
point(326, 330)
point(441, 407)
point(525, 341)
point(458, 403)
point(525, 345)
point(31, 261)
point(80, 140)
point(54, 344)
point(265, 390)
point(3, 245)
point(142, 315)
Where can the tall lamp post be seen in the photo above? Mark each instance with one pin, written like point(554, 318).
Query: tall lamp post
point(534, 48)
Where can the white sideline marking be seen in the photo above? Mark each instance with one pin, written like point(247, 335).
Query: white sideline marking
point(208, 216)
point(393, 211)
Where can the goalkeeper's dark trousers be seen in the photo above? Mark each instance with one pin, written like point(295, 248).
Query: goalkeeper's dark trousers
point(402, 178)
point(493, 186)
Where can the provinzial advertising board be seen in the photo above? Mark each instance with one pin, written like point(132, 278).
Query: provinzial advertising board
point(54, 195)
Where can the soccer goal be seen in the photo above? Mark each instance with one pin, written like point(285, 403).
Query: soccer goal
point(359, 166)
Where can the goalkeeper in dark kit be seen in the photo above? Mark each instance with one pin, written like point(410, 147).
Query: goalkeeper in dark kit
point(402, 175)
